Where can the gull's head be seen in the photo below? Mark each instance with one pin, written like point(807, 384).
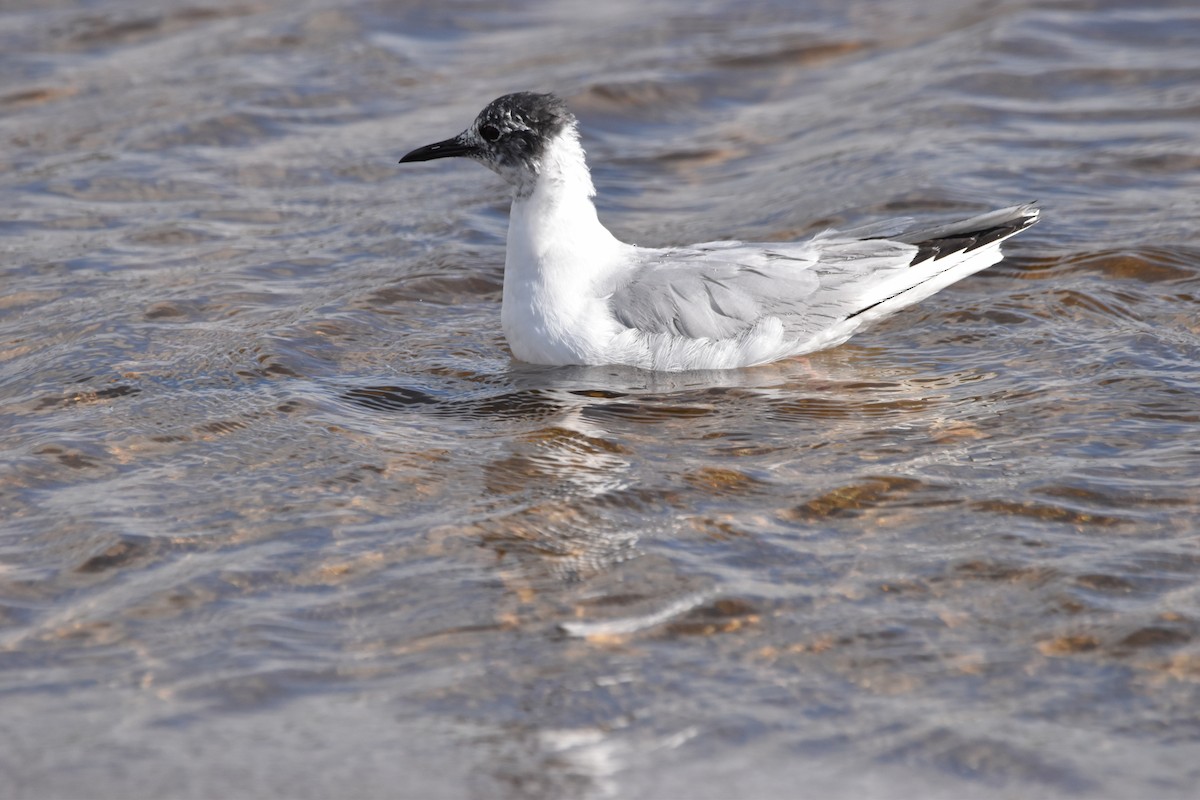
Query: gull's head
point(511, 137)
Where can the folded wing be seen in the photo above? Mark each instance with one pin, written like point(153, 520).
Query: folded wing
point(835, 281)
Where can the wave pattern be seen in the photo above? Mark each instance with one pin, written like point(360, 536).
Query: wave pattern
point(281, 517)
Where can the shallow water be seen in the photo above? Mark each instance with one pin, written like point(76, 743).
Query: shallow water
point(281, 518)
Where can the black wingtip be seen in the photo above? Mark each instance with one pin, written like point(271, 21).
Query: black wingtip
point(963, 238)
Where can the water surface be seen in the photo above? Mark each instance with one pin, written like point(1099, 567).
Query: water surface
point(281, 517)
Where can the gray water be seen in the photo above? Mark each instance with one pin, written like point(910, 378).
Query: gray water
point(282, 518)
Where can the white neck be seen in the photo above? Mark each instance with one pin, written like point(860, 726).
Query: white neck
point(558, 258)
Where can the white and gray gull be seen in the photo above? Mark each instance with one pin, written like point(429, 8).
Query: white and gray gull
point(575, 294)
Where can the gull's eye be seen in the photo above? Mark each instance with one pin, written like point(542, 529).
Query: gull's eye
point(490, 133)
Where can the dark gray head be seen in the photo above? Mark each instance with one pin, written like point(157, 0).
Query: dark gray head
point(509, 136)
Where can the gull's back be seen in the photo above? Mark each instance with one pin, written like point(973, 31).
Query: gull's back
point(732, 304)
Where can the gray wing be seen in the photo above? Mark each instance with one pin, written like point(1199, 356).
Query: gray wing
point(719, 290)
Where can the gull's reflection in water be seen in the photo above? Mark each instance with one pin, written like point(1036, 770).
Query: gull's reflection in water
point(567, 471)
point(563, 472)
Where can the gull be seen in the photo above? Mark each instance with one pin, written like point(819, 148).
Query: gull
point(575, 294)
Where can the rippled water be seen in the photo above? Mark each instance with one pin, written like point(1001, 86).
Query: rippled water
point(281, 518)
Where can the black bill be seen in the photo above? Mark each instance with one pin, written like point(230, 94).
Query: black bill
point(447, 149)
